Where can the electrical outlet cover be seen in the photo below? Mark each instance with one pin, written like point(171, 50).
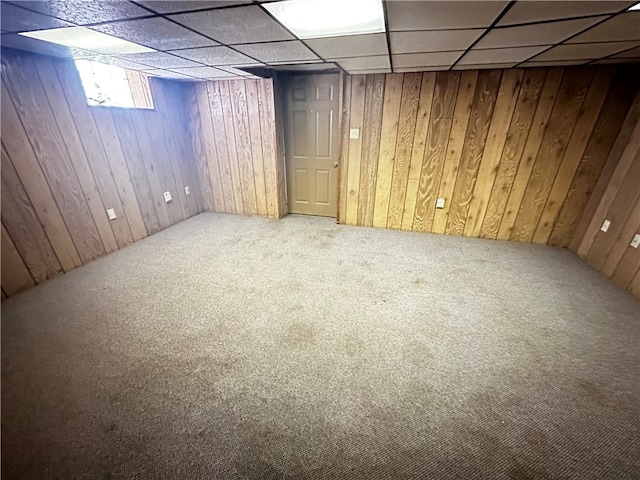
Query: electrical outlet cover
point(605, 225)
point(440, 203)
point(635, 243)
point(111, 213)
point(186, 190)
point(167, 197)
point(354, 133)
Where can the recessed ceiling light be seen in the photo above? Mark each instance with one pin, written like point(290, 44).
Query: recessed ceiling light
point(87, 39)
point(635, 7)
point(329, 18)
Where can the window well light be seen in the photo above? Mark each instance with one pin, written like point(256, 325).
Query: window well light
point(329, 18)
point(87, 39)
point(635, 7)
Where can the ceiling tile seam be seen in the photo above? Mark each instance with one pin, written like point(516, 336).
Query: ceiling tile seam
point(295, 36)
point(17, 5)
point(556, 20)
point(575, 35)
point(495, 21)
point(386, 33)
point(197, 10)
point(235, 44)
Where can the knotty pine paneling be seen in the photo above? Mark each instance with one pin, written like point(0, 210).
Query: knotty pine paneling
point(65, 163)
point(515, 153)
point(616, 197)
point(233, 129)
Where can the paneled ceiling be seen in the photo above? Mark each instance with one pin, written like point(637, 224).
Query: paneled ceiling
point(220, 39)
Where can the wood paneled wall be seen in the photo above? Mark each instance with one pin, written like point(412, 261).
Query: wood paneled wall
point(514, 153)
point(64, 164)
point(616, 198)
point(234, 138)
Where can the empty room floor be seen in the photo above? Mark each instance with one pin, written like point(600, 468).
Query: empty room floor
point(244, 348)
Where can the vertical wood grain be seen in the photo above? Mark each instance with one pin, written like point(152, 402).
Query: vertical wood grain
point(15, 274)
point(358, 88)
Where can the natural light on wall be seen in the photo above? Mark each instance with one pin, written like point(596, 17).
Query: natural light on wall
point(105, 85)
point(329, 18)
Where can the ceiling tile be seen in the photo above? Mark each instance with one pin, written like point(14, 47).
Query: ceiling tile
point(290, 51)
point(203, 72)
point(364, 63)
point(157, 33)
point(443, 15)
point(485, 66)
point(537, 11)
point(233, 70)
point(606, 61)
point(299, 62)
point(28, 44)
point(308, 67)
point(619, 28)
point(563, 63)
point(433, 40)
point(425, 59)
point(178, 6)
point(168, 74)
point(350, 45)
point(634, 52)
point(16, 19)
point(500, 55)
point(215, 56)
point(159, 60)
point(370, 72)
point(584, 51)
point(541, 34)
point(235, 25)
point(428, 68)
point(117, 61)
point(84, 12)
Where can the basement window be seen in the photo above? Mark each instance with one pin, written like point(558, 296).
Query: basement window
point(111, 86)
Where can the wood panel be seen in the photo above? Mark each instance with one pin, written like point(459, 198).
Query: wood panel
point(233, 130)
point(65, 163)
point(514, 153)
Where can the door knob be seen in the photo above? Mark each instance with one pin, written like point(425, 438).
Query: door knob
point(335, 164)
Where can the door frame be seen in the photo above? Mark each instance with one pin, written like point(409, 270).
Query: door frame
point(279, 94)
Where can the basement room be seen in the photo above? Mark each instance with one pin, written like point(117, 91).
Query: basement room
point(320, 239)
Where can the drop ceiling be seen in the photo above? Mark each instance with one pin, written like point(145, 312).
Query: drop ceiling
point(212, 40)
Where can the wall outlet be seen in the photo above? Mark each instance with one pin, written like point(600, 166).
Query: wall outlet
point(111, 213)
point(354, 133)
point(186, 190)
point(440, 203)
point(167, 197)
point(635, 243)
point(605, 225)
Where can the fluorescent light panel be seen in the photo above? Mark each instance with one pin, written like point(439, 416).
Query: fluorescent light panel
point(635, 7)
point(87, 39)
point(329, 18)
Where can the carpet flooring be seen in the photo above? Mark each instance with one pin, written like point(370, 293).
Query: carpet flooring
point(244, 348)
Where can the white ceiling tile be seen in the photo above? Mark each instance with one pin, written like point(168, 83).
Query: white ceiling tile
point(634, 52)
point(500, 55)
point(537, 11)
point(232, 70)
point(433, 40)
point(307, 67)
point(350, 45)
point(117, 61)
point(185, 6)
point(168, 74)
point(442, 15)
point(248, 24)
point(432, 68)
point(370, 72)
point(83, 12)
point(157, 33)
point(16, 19)
point(541, 34)
point(607, 61)
point(159, 60)
point(425, 59)
point(290, 51)
point(215, 56)
point(619, 28)
point(485, 66)
point(584, 51)
point(364, 63)
point(562, 63)
point(203, 72)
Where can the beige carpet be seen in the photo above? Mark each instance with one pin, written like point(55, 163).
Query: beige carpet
point(244, 348)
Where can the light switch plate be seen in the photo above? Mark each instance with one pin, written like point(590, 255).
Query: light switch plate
point(186, 190)
point(440, 203)
point(167, 197)
point(635, 243)
point(111, 213)
point(605, 225)
point(354, 133)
